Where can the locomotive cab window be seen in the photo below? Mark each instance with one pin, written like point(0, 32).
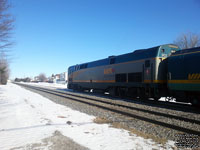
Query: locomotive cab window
point(147, 63)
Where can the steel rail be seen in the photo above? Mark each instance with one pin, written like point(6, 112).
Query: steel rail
point(175, 127)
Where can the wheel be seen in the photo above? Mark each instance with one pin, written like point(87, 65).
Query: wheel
point(112, 91)
point(156, 98)
point(122, 92)
point(195, 101)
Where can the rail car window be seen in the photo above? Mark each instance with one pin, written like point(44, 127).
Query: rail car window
point(147, 63)
point(135, 77)
point(112, 60)
point(120, 77)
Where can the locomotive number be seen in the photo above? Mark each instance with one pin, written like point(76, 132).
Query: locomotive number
point(109, 71)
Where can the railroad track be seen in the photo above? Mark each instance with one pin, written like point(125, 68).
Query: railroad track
point(174, 121)
point(161, 104)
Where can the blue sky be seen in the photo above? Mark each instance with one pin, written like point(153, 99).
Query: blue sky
point(51, 35)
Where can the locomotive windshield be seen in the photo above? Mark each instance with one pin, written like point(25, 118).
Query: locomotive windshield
point(167, 50)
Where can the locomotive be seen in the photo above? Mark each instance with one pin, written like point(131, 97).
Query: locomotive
point(161, 71)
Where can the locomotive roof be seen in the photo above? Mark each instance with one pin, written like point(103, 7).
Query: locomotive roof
point(135, 55)
point(149, 52)
point(185, 51)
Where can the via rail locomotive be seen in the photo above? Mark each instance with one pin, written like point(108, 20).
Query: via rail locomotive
point(161, 71)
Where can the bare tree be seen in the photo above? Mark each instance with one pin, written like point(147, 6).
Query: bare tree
point(4, 69)
point(42, 77)
point(188, 40)
point(6, 26)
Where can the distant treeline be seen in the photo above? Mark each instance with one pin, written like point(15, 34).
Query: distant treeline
point(22, 79)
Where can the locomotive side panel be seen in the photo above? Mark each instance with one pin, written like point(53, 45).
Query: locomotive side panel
point(141, 72)
point(184, 75)
point(184, 71)
point(103, 77)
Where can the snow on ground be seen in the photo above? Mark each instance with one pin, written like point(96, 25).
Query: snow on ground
point(49, 85)
point(27, 117)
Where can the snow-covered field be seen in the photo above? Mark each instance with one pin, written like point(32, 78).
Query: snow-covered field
point(49, 85)
point(27, 117)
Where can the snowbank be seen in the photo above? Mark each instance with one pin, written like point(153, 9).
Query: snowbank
point(27, 117)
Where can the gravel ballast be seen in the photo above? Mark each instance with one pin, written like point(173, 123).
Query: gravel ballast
point(139, 127)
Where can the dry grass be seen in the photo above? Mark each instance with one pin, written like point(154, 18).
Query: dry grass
point(139, 133)
point(119, 125)
point(100, 120)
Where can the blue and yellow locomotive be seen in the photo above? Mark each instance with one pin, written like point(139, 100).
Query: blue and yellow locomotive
point(145, 73)
point(184, 75)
